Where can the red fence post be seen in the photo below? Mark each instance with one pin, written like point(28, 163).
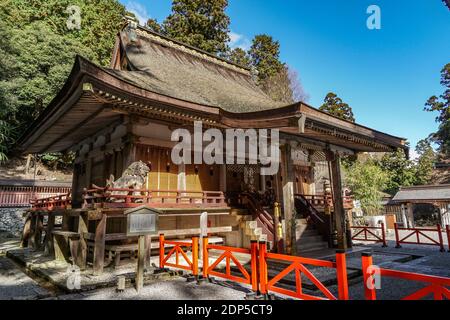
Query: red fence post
point(367, 261)
point(441, 241)
point(341, 273)
point(447, 227)
point(397, 239)
point(262, 268)
point(383, 234)
point(254, 265)
point(161, 251)
point(195, 257)
point(205, 258)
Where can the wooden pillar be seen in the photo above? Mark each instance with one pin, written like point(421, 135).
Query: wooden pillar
point(82, 248)
point(338, 201)
point(76, 196)
point(223, 177)
point(129, 152)
point(288, 199)
point(410, 215)
point(99, 245)
point(48, 245)
point(404, 214)
point(88, 176)
point(148, 251)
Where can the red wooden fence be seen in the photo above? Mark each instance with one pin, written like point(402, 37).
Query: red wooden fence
point(21, 196)
point(418, 235)
point(438, 287)
point(365, 233)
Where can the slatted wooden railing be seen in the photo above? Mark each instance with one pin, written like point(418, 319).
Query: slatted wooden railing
point(125, 198)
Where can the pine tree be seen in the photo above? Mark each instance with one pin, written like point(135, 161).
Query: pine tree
point(336, 107)
point(265, 57)
point(441, 104)
point(425, 162)
point(240, 57)
point(200, 23)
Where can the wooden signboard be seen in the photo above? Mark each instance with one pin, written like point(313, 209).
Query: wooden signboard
point(142, 222)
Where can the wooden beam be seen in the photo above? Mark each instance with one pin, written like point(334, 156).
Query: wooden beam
point(339, 211)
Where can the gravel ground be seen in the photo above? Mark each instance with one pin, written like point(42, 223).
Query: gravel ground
point(16, 285)
point(176, 289)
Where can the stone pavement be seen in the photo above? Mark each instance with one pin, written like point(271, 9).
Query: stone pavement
point(16, 285)
point(175, 289)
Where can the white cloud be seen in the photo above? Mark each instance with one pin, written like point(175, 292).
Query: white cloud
point(139, 10)
point(239, 41)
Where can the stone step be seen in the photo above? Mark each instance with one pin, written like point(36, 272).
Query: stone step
point(310, 239)
point(308, 247)
point(306, 233)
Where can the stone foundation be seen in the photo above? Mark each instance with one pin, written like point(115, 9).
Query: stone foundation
point(11, 220)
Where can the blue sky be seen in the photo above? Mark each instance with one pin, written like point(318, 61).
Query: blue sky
point(385, 75)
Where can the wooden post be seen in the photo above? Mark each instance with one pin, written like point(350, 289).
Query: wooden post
point(369, 290)
point(338, 203)
point(38, 232)
point(140, 264)
point(341, 274)
point(410, 215)
point(48, 243)
point(99, 245)
point(161, 251)
point(288, 200)
point(148, 251)
point(203, 228)
point(82, 249)
point(205, 265)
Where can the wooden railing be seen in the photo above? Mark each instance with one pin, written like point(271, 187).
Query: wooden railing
point(62, 201)
point(322, 201)
point(125, 198)
point(21, 196)
point(319, 219)
point(263, 218)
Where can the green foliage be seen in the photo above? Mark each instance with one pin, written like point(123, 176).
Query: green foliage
point(441, 104)
point(57, 160)
point(425, 162)
point(401, 171)
point(199, 23)
point(336, 107)
point(100, 21)
point(366, 180)
point(265, 57)
point(240, 57)
point(154, 26)
point(38, 52)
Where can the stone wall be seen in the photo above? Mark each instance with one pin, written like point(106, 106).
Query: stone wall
point(11, 220)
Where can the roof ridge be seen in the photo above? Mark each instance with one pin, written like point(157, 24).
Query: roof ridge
point(430, 186)
point(162, 39)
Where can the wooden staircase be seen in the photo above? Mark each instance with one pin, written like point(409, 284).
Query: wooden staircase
point(313, 227)
point(308, 238)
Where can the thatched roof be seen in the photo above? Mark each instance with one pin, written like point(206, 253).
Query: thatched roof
point(161, 65)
